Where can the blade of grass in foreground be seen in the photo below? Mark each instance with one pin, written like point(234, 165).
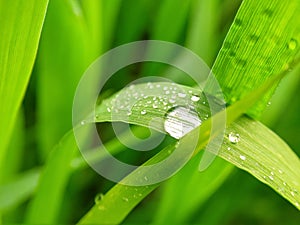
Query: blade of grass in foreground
point(21, 26)
point(121, 199)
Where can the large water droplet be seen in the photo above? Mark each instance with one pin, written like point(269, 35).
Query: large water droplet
point(234, 138)
point(180, 120)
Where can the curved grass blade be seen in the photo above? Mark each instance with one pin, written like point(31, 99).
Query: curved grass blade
point(21, 26)
point(122, 199)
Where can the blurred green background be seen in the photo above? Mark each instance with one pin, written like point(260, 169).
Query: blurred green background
point(74, 34)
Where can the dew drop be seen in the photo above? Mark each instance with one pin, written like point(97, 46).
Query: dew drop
point(125, 199)
point(271, 177)
point(98, 198)
point(228, 148)
point(180, 120)
point(292, 44)
point(145, 178)
point(108, 109)
point(143, 112)
point(242, 157)
point(181, 95)
point(195, 98)
point(154, 106)
point(234, 138)
point(82, 122)
point(172, 101)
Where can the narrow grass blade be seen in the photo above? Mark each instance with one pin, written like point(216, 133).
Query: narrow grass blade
point(46, 203)
point(21, 25)
point(257, 46)
point(63, 58)
point(17, 191)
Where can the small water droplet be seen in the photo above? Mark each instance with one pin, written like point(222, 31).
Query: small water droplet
point(143, 112)
point(292, 45)
point(271, 177)
point(125, 199)
point(234, 138)
point(180, 120)
point(129, 113)
point(269, 103)
point(172, 101)
point(82, 122)
point(280, 171)
point(272, 173)
point(292, 193)
point(108, 109)
point(154, 106)
point(284, 183)
point(98, 198)
point(181, 95)
point(195, 98)
point(228, 148)
point(145, 178)
point(242, 157)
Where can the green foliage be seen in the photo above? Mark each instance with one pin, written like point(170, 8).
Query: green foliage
point(44, 180)
point(21, 25)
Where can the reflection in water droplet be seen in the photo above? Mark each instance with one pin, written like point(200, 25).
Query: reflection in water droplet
point(234, 138)
point(181, 95)
point(180, 120)
point(242, 157)
point(292, 44)
point(195, 98)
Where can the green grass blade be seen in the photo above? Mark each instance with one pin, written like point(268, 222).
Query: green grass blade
point(131, 29)
point(264, 155)
point(122, 199)
point(202, 29)
point(17, 191)
point(21, 25)
point(258, 45)
point(63, 58)
point(45, 205)
point(180, 199)
point(111, 11)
